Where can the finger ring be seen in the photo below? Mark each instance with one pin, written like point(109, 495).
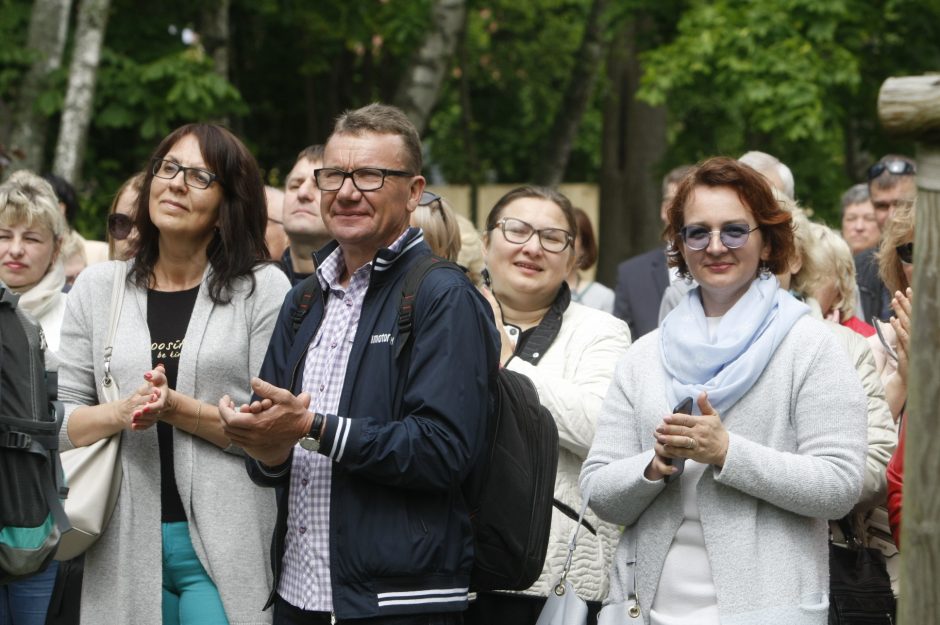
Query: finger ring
point(692, 444)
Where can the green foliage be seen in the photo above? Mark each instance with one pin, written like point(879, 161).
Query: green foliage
point(796, 78)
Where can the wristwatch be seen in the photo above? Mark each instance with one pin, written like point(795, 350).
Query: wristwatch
point(311, 441)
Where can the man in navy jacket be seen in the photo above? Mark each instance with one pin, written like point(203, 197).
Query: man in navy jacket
point(372, 527)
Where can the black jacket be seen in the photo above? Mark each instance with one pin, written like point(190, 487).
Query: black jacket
point(400, 536)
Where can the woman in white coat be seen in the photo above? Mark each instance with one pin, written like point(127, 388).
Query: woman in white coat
point(569, 352)
point(188, 541)
point(725, 510)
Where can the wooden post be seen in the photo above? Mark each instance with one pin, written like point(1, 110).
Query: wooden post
point(911, 106)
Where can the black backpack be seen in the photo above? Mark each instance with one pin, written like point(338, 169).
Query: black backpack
point(32, 518)
point(510, 489)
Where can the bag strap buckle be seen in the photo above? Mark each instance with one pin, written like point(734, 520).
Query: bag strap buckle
point(16, 440)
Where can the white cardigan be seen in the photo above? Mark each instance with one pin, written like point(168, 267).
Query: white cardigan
point(231, 520)
point(571, 379)
point(796, 458)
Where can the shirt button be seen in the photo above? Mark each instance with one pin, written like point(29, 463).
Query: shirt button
point(348, 301)
point(303, 530)
point(303, 482)
point(333, 345)
point(322, 386)
point(535, 355)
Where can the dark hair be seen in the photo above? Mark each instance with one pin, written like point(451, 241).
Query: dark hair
point(753, 190)
point(237, 246)
point(541, 193)
point(588, 242)
point(66, 194)
point(386, 120)
point(311, 153)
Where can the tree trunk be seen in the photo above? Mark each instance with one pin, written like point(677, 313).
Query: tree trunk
point(633, 144)
point(911, 106)
point(48, 30)
point(215, 35)
point(575, 101)
point(80, 97)
point(419, 88)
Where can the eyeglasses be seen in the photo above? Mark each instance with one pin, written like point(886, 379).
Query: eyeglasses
point(732, 236)
point(895, 166)
point(119, 226)
point(554, 240)
point(428, 198)
point(906, 253)
point(193, 176)
point(364, 179)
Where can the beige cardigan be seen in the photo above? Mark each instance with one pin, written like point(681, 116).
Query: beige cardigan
point(230, 519)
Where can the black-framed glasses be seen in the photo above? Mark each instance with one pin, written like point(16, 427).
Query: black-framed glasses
point(906, 253)
point(119, 226)
point(895, 166)
point(554, 240)
point(429, 198)
point(364, 178)
point(732, 236)
point(193, 176)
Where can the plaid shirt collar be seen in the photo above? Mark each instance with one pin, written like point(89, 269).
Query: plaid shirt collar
point(331, 270)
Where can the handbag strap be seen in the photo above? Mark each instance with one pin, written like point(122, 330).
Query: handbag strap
point(117, 302)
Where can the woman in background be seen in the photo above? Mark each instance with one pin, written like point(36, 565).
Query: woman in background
point(122, 233)
point(568, 351)
point(31, 232)
point(583, 291)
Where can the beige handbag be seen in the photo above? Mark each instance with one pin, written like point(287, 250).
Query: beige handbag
point(93, 473)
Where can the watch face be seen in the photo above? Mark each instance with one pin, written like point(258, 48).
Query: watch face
point(310, 444)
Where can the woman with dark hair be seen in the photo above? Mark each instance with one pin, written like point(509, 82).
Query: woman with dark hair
point(587, 292)
point(188, 541)
point(569, 352)
point(731, 434)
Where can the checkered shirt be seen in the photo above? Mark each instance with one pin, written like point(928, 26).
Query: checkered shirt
point(305, 582)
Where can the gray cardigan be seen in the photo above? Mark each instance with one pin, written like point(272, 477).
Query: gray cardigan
point(230, 519)
point(796, 457)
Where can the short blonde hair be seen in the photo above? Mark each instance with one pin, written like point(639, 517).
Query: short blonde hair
point(440, 228)
point(898, 230)
point(25, 198)
point(828, 256)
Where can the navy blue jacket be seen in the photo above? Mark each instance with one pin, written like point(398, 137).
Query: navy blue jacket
point(400, 536)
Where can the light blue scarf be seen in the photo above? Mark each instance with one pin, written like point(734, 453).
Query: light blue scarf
point(745, 340)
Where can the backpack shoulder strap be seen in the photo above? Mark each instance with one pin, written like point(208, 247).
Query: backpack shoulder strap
point(303, 297)
point(409, 292)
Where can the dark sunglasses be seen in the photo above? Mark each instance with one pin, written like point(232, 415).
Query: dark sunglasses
point(732, 236)
point(906, 253)
point(119, 226)
point(896, 167)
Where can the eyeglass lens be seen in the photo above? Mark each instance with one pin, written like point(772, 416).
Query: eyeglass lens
point(906, 253)
point(732, 236)
point(551, 239)
point(192, 176)
point(119, 226)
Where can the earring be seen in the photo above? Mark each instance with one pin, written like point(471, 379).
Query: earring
point(764, 272)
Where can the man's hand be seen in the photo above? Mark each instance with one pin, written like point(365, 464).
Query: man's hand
point(268, 429)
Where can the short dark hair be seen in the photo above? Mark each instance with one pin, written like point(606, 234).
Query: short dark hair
point(237, 246)
point(542, 193)
point(588, 242)
point(386, 120)
point(752, 188)
point(66, 194)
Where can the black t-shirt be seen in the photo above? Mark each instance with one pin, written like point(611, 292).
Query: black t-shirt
point(168, 314)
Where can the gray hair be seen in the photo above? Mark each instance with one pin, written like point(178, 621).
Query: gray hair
point(766, 163)
point(856, 194)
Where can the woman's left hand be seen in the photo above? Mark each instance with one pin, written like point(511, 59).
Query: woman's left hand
point(901, 322)
point(159, 402)
point(702, 438)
